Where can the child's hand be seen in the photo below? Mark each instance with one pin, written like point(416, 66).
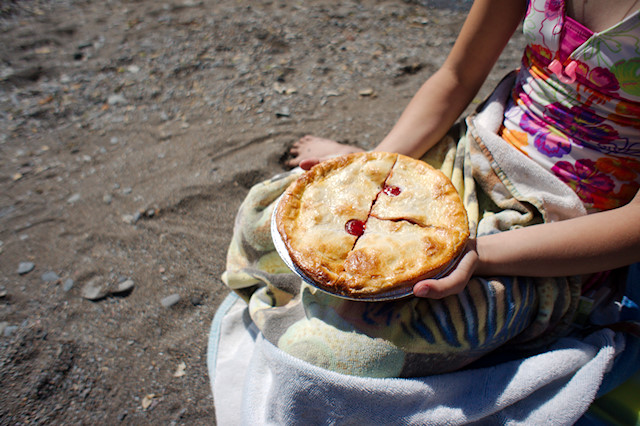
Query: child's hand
point(455, 281)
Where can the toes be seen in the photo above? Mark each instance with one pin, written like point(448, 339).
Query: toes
point(307, 140)
point(308, 163)
point(301, 145)
point(294, 162)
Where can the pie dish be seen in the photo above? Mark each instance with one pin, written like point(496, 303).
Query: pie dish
point(368, 226)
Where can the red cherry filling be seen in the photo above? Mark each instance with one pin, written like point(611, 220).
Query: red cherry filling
point(391, 191)
point(355, 227)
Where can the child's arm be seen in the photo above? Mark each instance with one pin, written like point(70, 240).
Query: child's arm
point(445, 95)
point(587, 244)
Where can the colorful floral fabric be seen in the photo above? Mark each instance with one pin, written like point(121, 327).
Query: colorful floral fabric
point(575, 108)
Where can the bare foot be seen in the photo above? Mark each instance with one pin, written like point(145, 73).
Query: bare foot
point(317, 149)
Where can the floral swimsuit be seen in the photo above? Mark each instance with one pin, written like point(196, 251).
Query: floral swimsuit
point(575, 107)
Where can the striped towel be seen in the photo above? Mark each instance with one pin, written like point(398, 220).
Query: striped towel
point(414, 337)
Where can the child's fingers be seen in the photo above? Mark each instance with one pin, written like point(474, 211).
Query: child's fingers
point(452, 283)
point(440, 288)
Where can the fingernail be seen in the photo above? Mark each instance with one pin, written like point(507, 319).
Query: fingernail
point(421, 291)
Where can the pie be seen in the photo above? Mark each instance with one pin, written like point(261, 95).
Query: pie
point(371, 223)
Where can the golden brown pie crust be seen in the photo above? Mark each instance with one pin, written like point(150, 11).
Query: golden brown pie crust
point(415, 224)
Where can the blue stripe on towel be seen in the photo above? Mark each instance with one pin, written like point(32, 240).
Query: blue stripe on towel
point(422, 329)
point(444, 323)
point(490, 324)
point(470, 318)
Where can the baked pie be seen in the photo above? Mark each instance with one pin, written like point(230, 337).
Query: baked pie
point(371, 223)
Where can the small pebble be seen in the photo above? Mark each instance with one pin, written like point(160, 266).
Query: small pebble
point(94, 289)
point(117, 100)
point(73, 199)
point(25, 267)
point(284, 112)
point(124, 286)
point(171, 300)
point(49, 277)
point(67, 285)
point(366, 92)
point(9, 330)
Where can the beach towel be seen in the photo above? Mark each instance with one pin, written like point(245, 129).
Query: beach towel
point(253, 382)
point(494, 326)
